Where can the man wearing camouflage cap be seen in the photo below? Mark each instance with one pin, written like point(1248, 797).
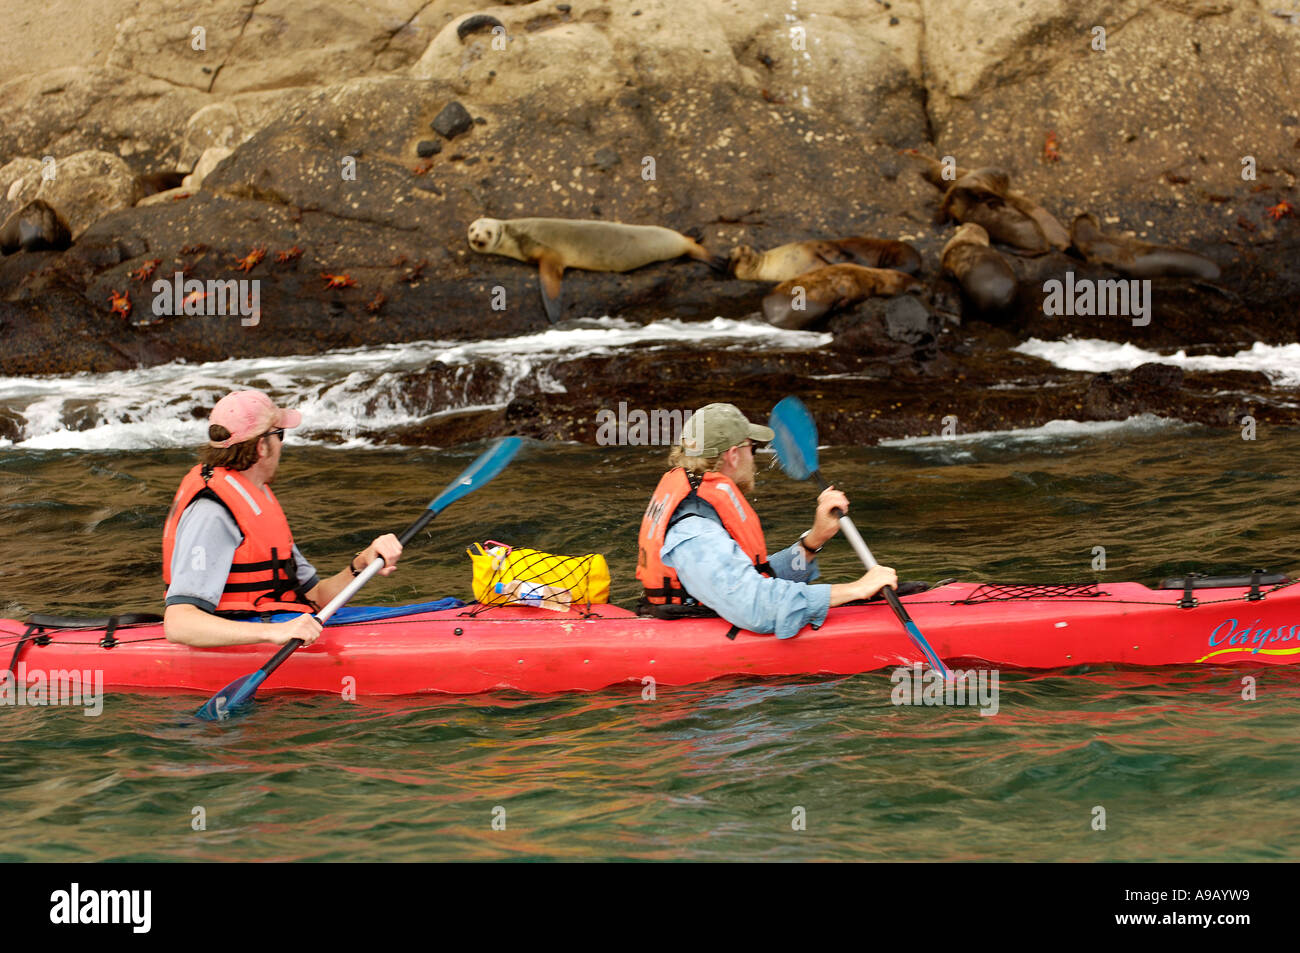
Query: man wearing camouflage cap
point(701, 543)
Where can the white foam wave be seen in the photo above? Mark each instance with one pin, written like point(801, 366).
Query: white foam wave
point(339, 392)
point(1052, 430)
point(1280, 362)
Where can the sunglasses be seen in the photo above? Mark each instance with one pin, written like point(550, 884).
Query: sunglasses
point(276, 433)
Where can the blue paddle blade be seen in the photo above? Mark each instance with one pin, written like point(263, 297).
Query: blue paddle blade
point(919, 641)
point(238, 693)
point(796, 438)
point(479, 472)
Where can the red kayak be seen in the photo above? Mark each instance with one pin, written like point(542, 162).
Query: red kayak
point(476, 649)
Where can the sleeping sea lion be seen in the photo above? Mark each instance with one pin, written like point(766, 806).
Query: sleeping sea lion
point(34, 227)
point(789, 261)
point(799, 301)
point(1136, 258)
point(932, 169)
point(984, 197)
point(983, 274)
point(555, 244)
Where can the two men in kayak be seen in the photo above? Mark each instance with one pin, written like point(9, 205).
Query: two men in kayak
point(701, 543)
point(227, 547)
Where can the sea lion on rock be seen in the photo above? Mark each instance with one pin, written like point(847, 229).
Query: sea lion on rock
point(555, 244)
point(789, 261)
point(983, 274)
point(34, 227)
point(801, 300)
point(985, 198)
point(1136, 258)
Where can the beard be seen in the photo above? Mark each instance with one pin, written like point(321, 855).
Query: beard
point(746, 486)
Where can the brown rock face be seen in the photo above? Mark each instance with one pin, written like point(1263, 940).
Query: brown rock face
point(747, 123)
point(87, 186)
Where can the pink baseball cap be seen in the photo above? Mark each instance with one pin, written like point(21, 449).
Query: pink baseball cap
point(249, 413)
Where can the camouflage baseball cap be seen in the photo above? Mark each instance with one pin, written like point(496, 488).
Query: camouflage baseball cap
point(716, 428)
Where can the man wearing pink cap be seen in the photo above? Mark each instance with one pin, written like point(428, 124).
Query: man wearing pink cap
point(228, 553)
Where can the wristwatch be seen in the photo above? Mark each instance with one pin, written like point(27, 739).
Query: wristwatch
point(352, 564)
point(808, 549)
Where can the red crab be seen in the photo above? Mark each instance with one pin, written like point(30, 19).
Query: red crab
point(250, 261)
point(121, 303)
point(1280, 209)
point(1050, 151)
point(375, 303)
point(145, 271)
point(292, 254)
point(415, 271)
point(338, 281)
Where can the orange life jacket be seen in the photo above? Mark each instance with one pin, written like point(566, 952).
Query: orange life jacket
point(738, 518)
point(263, 575)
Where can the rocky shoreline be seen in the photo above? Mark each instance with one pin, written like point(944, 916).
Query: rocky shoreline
point(751, 140)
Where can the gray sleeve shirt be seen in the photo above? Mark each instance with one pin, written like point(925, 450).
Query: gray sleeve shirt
point(206, 539)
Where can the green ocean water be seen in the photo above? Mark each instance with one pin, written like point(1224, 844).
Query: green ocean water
point(1183, 766)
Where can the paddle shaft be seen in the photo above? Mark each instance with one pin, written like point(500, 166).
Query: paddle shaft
point(860, 547)
point(348, 591)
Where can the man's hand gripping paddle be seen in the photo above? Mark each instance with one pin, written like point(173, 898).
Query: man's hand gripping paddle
point(796, 447)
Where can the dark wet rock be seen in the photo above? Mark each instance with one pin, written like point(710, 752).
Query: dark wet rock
point(1155, 378)
point(426, 148)
point(35, 227)
point(605, 159)
point(1147, 389)
point(11, 425)
point(454, 120)
point(866, 394)
point(521, 408)
point(447, 430)
point(907, 320)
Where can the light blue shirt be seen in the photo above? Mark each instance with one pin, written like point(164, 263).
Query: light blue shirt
point(718, 574)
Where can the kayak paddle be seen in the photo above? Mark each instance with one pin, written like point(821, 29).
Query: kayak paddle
point(796, 447)
point(491, 462)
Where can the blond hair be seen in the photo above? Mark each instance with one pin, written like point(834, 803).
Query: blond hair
point(697, 465)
